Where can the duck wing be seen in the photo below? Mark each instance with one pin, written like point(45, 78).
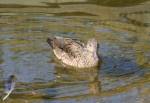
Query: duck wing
point(72, 47)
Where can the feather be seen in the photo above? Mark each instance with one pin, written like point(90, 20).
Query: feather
point(9, 86)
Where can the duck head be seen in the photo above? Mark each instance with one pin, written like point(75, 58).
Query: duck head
point(92, 45)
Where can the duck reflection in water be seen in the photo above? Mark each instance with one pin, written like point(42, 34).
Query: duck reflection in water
point(88, 78)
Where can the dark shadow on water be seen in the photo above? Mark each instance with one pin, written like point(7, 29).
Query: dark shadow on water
point(130, 20)
point(56, 4)
point(27, 6)
point(113, 3)
point(119, 66)
point(117, 3)
point(73, 14)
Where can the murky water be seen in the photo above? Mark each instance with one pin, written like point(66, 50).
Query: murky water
point(121, 28)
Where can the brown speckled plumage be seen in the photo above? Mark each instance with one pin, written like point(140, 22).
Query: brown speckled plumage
point(75, 53)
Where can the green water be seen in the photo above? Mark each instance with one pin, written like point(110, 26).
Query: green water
point(122, 28)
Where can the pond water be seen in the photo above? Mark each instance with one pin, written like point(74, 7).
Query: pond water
point(122, 29)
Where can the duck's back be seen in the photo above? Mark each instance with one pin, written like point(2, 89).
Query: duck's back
point(72, 52)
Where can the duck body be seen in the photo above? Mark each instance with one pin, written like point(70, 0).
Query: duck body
point(75, 53)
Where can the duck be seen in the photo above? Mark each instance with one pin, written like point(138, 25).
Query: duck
point(74, 53)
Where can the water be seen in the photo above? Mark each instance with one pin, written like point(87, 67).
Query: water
point(121, 28)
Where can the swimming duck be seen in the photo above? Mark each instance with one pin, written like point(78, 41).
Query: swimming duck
point(75, 53)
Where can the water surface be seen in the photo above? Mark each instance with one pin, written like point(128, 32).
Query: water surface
point(121, 28)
